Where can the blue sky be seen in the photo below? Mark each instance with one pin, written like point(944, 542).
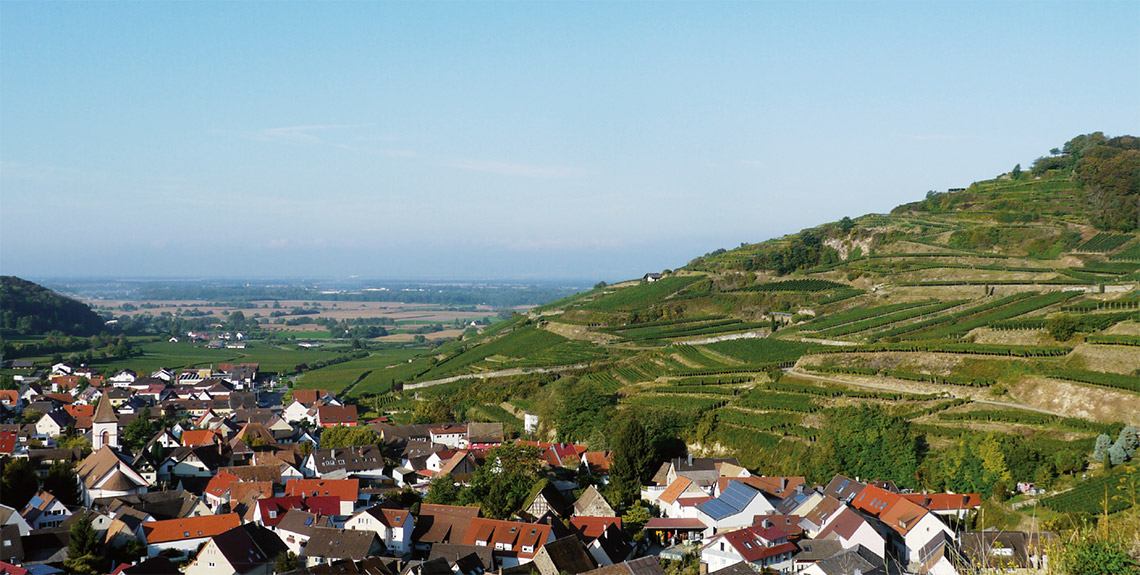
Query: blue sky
point(515, 140)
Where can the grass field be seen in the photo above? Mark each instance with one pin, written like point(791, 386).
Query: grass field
point(377, 378)
point(271, 358)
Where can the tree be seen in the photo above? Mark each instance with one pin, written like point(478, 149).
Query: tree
point(1062, 327)
point(1016, 173)
point(304, 448)
point(84, 550)
point(501, 485)
point(583, 408)
point(31, 416)
point(18, 484)
point(286, 562)
point(138, 432)
point(846, 224)
point(433, 411)
point(60, 482)
point(1100, 450)
point(344, 436)
point(868, 442)
point(633, 459)
point(443, 491)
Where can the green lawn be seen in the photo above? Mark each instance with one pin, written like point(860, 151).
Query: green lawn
point(379, 375)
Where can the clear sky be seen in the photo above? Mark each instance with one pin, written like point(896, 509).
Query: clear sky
point(515, 140)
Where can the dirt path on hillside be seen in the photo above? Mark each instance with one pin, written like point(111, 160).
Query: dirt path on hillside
point(907, 390)
point(493, 374)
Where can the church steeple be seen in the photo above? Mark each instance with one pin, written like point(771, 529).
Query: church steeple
point(105, 425)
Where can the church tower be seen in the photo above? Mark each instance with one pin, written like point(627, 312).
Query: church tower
point(105, 425)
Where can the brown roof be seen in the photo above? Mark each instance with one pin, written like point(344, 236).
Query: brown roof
point(340, 543)
point(104, 412)
point(644, 566)
point(444, 523)
point(675, 489)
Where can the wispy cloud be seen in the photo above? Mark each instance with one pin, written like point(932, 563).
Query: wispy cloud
point(307, 134)
point(519, 169)
point(930, 137)
point(34, 173)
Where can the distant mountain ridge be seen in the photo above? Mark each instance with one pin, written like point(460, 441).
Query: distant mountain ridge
point(27, 308)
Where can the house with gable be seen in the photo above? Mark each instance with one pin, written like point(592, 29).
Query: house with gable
point(908, 526)
point(592, 504)
point(363, 462)
point(105, 473)
point(513, 543)
point(851, 530)
point(347, 491)
point(392, 526)
point(295, 526)
point(446, 524)
point(736, 507)
point(760, 546)
point(184, 536)
point(680, 499)
point(248, 549)
point(327, 545)
point(44, 511)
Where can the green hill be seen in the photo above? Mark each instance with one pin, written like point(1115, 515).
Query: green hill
point(27, 308)
point(1006, 311)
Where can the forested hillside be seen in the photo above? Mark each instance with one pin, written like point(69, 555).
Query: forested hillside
point(30, 309)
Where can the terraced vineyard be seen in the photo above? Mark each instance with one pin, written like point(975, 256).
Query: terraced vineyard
point(1003, 292)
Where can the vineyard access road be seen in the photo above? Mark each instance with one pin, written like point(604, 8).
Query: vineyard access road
point(791, 371)
point(491, 374)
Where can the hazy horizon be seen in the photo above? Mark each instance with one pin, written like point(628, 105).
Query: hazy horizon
point(514, 141)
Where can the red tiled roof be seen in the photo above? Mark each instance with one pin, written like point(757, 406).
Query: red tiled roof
point(675, 489)
point(891, 508)
point(78, 411)
point(308, 396)
point(9, 396)
point(668, 523)
point(593, 527)
point(189, 528)
point(197, 437)
point(65, 398)
point(752, 543)
point(333, 415)
point(8, 441)
point(599, 461)
point(342, 489)
point(945, 501)
point(220, 483)
point(514, 534)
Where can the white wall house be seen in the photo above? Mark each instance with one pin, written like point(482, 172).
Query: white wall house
point(393, 527)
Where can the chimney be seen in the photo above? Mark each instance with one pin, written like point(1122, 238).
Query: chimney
point(766, 523)
point(783, 483)
point(690, 460)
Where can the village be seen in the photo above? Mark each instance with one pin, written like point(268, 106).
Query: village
point(210, 471)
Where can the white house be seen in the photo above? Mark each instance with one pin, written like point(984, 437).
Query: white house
point(44, 510)
point(736, 507)
point(761, 546)
point(248, 549)
point(105, 474)
point(454, 436)
point(393, 527)
point(186, 535)
point(851, 530)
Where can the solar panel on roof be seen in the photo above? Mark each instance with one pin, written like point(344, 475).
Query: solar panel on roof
point(738, 495)
point(717, 509)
